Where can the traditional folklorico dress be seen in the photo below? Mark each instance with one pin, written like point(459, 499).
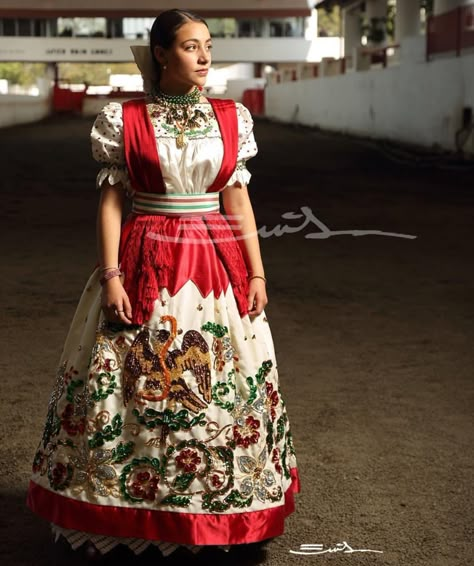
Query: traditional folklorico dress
point(171, 430)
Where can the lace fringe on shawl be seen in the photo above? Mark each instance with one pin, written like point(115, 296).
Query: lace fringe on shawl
point(105, 544)
point(147, 264)
point(146, 259)
point(229, 253)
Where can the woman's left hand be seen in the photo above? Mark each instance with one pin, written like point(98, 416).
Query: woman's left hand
point(257, 297)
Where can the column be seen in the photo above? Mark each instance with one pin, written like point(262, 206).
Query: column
point(352, 31)
point(311, 23)
point(265, 27)
point(407, 19)
point(376, 8)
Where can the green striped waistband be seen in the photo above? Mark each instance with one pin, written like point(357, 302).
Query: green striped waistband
point(174, 204)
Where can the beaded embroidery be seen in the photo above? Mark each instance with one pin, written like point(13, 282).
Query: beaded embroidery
point(171, 453)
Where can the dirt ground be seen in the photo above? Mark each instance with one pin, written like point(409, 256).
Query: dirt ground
point(373, 334)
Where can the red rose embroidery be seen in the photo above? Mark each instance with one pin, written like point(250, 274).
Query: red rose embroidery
point(145, 485)
point(276, 460)
point(188, 460)
point(60, 476)
point(68, 375)
point(217, 480)
point(248, 433)
point(272, 400)
point(72, 424)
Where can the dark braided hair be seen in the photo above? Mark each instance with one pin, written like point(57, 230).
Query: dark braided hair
point(165, 27)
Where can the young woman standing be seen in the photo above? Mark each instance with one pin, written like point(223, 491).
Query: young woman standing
point(166, 424)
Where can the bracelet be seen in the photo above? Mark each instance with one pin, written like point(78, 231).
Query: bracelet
point(106, 268)
point(257, 277)
point(109, 275)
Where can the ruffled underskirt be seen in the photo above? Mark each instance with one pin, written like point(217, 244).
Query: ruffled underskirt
point(105, 544)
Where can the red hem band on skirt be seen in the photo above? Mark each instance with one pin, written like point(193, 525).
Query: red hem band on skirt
point(179, 528)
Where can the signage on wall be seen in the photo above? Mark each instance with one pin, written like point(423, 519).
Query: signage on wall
point(48, 50)
point(76, 52)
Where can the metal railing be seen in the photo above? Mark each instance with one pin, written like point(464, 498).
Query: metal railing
point(380, 55)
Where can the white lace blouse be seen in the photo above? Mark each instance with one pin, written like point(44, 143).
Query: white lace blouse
point(189, 170)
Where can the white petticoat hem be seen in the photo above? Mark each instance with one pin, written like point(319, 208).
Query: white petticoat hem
point(105, 543)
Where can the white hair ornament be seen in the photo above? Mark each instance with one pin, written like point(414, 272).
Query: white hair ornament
point(146, 65)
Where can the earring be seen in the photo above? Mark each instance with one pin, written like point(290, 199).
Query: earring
point(165, 66)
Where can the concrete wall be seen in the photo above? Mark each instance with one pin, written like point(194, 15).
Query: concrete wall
point(93, 105)
point(415, 102)
point(17, 109)
point(235, 88)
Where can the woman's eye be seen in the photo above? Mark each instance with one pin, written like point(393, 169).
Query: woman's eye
point(193, 47)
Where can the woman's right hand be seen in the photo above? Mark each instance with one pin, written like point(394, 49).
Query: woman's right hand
point(115, 302)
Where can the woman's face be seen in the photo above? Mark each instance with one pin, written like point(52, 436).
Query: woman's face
point(187, 61)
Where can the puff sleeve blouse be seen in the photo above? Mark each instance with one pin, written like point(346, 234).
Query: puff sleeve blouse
point(185, 171)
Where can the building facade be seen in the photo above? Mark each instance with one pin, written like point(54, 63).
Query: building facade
point(251, 31)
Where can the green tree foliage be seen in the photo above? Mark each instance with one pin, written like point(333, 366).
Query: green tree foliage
point(390, 23)
point(329, 21)
point(24, 74)
point(94, 73)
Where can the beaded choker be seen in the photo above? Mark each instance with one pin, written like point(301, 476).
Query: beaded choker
point(187, 99)
point(179, 111)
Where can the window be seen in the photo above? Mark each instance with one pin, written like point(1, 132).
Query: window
point(82, 27)
point(9, 27)
point(25, 27)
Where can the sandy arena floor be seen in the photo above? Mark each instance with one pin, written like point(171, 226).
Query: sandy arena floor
point(374, 337)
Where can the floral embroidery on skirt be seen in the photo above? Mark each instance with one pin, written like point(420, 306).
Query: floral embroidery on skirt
point(153, 427)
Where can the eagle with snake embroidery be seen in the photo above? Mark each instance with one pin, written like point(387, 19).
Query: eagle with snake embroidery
point(163, 369)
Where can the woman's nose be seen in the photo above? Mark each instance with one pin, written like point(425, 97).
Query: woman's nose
point(204, 56)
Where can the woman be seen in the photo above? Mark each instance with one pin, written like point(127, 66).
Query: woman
point(166, 423)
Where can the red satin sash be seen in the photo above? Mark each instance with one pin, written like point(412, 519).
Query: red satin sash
point(141, 155)
point(226, 115)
